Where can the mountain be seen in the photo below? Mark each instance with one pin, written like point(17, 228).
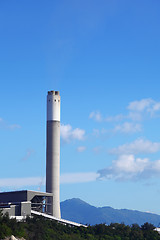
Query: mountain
point(79, 211)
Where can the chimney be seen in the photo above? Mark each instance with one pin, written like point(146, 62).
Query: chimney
point(53, 153)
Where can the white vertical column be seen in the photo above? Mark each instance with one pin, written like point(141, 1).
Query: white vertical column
point(53, 152)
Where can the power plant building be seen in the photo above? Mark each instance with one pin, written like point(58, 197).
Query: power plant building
point(20, 204)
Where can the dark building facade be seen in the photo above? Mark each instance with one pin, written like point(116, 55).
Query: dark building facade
point(20, 203)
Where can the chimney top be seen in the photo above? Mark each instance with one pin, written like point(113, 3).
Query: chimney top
point(53, 92)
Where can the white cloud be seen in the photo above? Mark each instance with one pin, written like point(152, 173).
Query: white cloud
point(81, 149)
point(97, 150)
point(141, 108)
point(68, 134)
point(78, 134)
point(21, 182)
point(13, 126)
point(128, 127)
point(138, 146)
point(79, 177)
point(147, 105)
point(128, 167)
point(66, 178)
point(156, 106)
point(136, 111)
point(130, 164)
point(5, 125)
point(141, 105)
point(116, 118)
point(135, 116)
point(97, 132)
point(28, 154)
point(96, 116)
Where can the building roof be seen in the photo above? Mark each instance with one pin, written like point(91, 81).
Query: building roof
point(20, 196)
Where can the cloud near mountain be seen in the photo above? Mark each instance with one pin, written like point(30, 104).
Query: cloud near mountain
point(128, 167)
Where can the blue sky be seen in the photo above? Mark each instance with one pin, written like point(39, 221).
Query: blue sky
point(103, 56)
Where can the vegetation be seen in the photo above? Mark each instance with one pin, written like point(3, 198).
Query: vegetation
point(39, 228)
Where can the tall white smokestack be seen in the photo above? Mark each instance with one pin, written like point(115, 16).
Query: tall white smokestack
point(53, 152)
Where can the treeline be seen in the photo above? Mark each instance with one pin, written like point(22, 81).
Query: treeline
point(39, 228)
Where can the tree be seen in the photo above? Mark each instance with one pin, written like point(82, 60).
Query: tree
point(147, 226)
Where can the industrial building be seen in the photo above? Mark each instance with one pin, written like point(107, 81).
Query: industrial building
point(20, 204)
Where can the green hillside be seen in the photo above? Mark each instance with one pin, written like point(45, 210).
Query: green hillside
point(38, 228)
